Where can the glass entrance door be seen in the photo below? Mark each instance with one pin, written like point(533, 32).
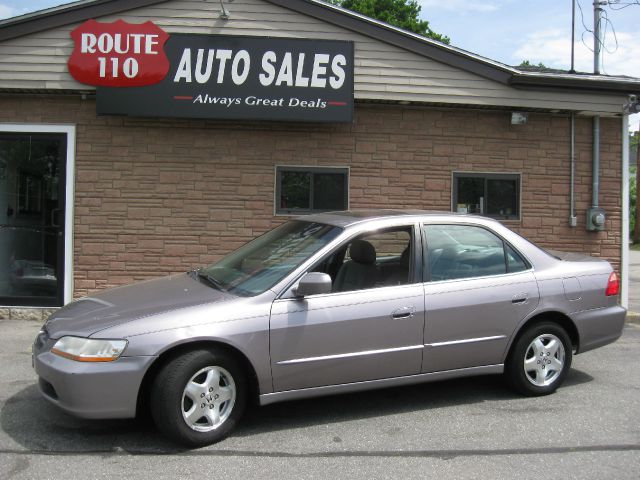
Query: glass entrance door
point(32, 186)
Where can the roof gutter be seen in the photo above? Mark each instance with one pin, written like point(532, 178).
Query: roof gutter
point(577, 82)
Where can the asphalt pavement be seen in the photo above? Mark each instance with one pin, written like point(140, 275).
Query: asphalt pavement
point(463, 429)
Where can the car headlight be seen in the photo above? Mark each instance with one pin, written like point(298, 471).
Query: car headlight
point(89, 349)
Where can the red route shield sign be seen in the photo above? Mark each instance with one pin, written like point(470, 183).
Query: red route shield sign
point(118, 54)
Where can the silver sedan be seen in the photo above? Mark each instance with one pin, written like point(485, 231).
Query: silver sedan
point(324, 304)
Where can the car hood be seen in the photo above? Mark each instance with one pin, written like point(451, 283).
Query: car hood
point(117, 306)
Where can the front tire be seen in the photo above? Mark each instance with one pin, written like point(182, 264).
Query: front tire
point(197, 398)
point(540, 359)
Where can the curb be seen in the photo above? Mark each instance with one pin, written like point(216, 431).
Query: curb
point(633, 317)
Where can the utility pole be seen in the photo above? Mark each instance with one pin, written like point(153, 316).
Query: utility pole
point(573, 36)
point(597, 41)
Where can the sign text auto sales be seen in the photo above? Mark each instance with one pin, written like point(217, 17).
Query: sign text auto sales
point(248, 78)
point(274, 71)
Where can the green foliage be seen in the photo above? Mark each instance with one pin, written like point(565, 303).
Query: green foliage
point(399, 13)
point(527, 63)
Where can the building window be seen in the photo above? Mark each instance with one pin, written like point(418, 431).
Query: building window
point(311, 189)
point(495, 195)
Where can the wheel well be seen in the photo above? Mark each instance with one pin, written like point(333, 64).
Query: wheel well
point(145, 386)
point(556, 317)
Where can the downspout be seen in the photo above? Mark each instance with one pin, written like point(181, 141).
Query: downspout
point(573, 220)
point(595, 185)
point(597, 44)
point(624, 254)
point(596, 218)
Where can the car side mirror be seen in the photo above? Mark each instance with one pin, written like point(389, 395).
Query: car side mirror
point(313, 283)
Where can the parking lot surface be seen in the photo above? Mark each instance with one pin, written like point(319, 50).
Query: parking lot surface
point(468, 428)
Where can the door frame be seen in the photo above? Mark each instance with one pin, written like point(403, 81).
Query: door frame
point(70, 131)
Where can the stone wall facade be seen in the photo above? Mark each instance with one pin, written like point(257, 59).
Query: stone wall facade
point(26, 313)
point(154, 197)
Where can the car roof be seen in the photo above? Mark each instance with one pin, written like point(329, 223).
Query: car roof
point(348, 218)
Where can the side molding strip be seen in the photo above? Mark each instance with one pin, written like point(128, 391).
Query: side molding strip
point(466, 340)
point(348, 355)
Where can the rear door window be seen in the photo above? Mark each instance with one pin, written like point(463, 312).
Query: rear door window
point(515, 263)
point(466, 251)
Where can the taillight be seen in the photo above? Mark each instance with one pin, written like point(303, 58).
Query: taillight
point(613, 285)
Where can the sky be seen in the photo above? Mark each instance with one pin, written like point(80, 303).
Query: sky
point(511, 31)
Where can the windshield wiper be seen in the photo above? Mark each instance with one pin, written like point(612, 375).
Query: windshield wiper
point(211, 280)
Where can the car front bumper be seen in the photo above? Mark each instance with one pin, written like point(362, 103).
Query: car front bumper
point(90, 389)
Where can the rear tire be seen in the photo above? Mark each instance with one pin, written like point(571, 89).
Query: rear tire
point(540, 359)
point(197, 398)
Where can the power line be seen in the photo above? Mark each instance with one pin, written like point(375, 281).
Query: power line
point(606, 24)
point(584, 25)
point(624, 4)
point(613, 32)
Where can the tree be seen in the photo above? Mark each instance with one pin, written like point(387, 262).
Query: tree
point(528, 64)
point(399, 13)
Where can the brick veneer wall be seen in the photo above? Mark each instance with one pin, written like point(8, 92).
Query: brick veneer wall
point(155, 197)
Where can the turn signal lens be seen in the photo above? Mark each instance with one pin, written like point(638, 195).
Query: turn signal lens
point(613, 285)
point(89, 349)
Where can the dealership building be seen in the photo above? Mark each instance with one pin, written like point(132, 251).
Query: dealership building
point(142, 138)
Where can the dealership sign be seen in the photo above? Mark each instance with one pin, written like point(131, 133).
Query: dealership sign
point(118, 54)
point(213, 76)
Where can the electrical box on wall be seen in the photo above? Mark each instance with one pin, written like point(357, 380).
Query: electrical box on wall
point(595, 219)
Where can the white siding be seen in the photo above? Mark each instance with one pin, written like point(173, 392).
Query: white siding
point(382, 71)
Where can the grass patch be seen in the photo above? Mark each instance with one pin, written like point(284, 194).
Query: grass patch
point(635, 246)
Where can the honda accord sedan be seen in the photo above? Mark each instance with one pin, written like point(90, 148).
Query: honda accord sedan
point(325, 304)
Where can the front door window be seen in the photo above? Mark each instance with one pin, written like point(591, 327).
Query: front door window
point(32, 194)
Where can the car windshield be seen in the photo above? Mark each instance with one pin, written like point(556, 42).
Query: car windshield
point(263, 262)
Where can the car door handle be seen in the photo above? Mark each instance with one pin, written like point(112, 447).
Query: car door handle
point(520, 298)
point(404, 312)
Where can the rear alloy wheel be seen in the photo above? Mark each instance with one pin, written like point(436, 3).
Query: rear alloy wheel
point(540, 360)
point(197, 398)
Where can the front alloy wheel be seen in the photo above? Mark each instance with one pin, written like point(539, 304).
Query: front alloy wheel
point(539, 360)
point(198, 397)
point(208, 399)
